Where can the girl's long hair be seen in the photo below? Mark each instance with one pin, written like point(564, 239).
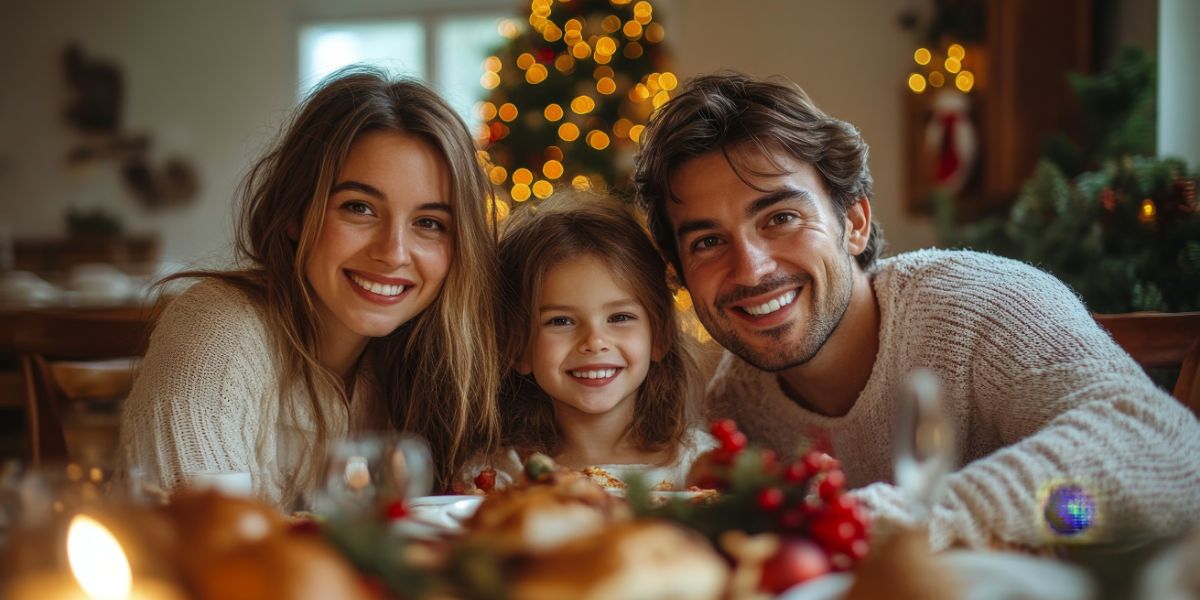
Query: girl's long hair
point(568, 226)
point(439, 372)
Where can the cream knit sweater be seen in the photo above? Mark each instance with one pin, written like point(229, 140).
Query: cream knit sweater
point(1039, 396)
point(208, 399)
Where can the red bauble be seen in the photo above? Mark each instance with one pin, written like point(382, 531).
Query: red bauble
point(796, 561)
point(722, 429)
point(395, 510)
point(831, 485)
point(770, 499)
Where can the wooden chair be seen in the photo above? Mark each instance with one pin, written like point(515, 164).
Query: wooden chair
point(1157, 340)
point(77, 359)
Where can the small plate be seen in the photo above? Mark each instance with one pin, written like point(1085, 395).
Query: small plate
point(438, 516)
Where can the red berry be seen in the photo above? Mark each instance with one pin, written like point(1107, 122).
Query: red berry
point(814, 461)
point(796, 561)
point(831, 485)
point(736, 443)
point(770, 499)
point(396, 510)
point(796, 472)
point(770, 460)
point(722, 429)
point(486, 479)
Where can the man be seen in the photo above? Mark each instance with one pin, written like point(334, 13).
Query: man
point(763, 204)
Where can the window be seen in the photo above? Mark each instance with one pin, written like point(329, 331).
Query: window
point(446, 51)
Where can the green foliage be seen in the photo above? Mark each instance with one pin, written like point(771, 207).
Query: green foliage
point(1119, 107)
point(1125, 237)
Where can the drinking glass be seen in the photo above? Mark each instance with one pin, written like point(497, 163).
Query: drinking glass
point(923, 447)
point(366, 471)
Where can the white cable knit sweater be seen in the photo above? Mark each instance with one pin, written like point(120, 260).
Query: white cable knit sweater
point(1039, 395)
point(207, 399)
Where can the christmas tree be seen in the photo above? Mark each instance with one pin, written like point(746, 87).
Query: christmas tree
point(570, 93)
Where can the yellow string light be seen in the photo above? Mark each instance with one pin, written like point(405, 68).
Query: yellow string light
point(536, 74)
point(633, 50)
point(501, 208)
point(632, 30)
point(936, 79)
point(606, 86)
point(580, 182)
point(956, 51)
point(1149, 209)
point(661, 98)
point(552, 33)
point(582, 105)
point(606, 45)
point(573, 25)
point(520, 192)
point(507, 29)
point(507, 112)
point(922, 56)
point(554, 153)
point(953, 65)
point(603, 71)
point(522, 176)
point(489, 80)
point(569, 132)
point(668, 81)
point(597, 139)
point(552, 169)
point(498, 175)
point(565, 63)
point(525, 60)
point(621, 128)
point(487, 111)
point(602, 59)
point(610, 23)
point(620, 2)
point(572, 37)
point(916, 83)
point(635, 133)
point(581, 50)
point(542, 189)
point(492, 63)
point(652, 82)
point(964, 81)
point(553, 112)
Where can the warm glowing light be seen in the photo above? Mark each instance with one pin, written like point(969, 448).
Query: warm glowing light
point(953, 65)
point(603, 71)
point(597, 139)
point(655, 33)
point(572, 37)
point(554, 153)
point(536, 74)
point(569, 132)
point(552, 33)
point(632, 30)
point(498, 175)
point(606, 45)
point(507, 28)
point(633, 50)
point(606, 85)
point(922, 56)
point(507, 112)
point(661, 98)
point(553, 112)
point(610, 23)
point(621, 127)
point(492, 63)
point(643, 12)
point(525, 60)
point(936, 79)
point(639, 93)
point(564, 63)
point(97, 560)
point(635, 132)
point(582, 105)
point(542, 189)
point(964, 81)
point(619, 2)
point(522, 176)
point(602, 59)
point(652, 82)
point(581, 50)
point(1149, 209)
point(520, 192)
point(489, 80)
point(501, 207)
point(956, 51)
point(683, 301)
point(552, 169)
point(916, 82)
point(668, 81)
point(580, 182)
point(487, 111)
point(573, 25)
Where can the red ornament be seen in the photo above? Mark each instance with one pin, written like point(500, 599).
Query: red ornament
point(831, 485)
point(736, 443)
point(796, 561)
point(796, 472)
point(722, 429)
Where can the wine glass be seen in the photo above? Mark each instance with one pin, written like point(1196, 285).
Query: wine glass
point(923, 444)
point(364, 472)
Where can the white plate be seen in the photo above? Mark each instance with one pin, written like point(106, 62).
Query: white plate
point(438, 516)
point(984, 576)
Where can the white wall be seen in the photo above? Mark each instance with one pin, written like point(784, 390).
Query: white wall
point(213, 81)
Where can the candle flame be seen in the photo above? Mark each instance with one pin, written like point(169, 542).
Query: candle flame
point(97, 560)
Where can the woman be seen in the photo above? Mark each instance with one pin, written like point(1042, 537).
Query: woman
point(365, 245)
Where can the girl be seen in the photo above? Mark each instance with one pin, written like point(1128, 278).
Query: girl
point(601, 369)
point(364, 244)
